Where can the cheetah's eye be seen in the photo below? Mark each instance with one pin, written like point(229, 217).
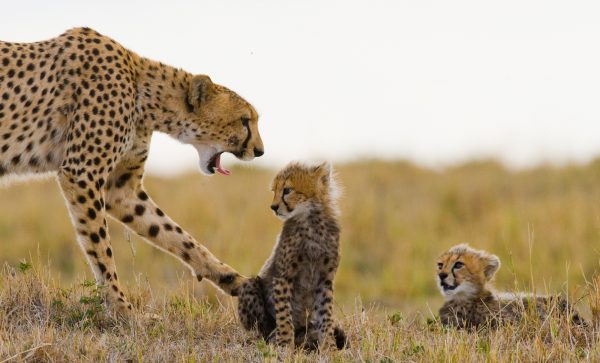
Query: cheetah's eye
point(286, 191)
point(440, 265)
point(458, 265)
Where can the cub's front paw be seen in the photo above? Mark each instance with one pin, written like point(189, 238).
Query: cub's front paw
point(283, 342)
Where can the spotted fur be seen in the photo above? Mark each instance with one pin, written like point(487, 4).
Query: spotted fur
point(83, 107)
point(291, 300)
point(464, 277)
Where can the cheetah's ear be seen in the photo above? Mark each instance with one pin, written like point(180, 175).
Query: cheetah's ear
point(200, 88)
point(323, 171)
point(492, 266)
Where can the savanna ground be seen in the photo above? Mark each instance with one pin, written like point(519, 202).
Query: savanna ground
point(544, 224)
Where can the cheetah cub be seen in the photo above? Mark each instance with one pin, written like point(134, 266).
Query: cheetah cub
point(465, 275)
point(291, 299)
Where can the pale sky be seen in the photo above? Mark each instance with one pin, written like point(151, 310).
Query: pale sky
point(435, 82)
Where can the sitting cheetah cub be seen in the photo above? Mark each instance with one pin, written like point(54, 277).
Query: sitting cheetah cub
point(464, 277)
point(291, 299)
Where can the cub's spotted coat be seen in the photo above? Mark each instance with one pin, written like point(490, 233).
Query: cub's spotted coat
point(84, 107)
point(464, 275)
point(291, 299)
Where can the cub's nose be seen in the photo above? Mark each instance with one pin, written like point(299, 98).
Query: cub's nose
point(274, 207)
point(443, 276)
point(258, 152)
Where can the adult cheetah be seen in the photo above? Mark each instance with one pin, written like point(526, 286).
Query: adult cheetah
point(84, 107)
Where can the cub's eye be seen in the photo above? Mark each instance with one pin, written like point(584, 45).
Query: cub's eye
point(458, 265)
point(440, 265)
point(245, 121)
point(286, 191)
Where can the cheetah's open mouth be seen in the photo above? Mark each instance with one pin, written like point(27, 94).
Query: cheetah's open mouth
point(210, 160)
point(215, 163)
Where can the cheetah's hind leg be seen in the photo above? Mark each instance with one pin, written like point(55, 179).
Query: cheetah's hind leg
point(252, 308)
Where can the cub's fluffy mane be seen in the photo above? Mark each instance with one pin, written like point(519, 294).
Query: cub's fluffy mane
point(335, 190)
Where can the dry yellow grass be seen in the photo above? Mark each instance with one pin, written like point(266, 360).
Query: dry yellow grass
point(40, 321)
point(543, 223)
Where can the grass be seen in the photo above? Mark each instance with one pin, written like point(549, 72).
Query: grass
point(544, 224)
point(42, 321)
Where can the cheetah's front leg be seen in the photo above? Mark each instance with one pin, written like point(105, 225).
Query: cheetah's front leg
point(129, 203)
point(282, 299)
point(86, 206)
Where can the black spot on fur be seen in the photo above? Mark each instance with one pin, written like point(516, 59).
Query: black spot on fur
point(122, 180)
point(143, 196)
point(153, 230)
point(140, 209)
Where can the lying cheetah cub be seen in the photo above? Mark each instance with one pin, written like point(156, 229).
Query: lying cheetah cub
point(291, 299)
point(464, 277)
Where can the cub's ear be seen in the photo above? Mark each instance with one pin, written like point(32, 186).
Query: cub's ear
point(323, 171)
point(492, 266)
point(200, 88)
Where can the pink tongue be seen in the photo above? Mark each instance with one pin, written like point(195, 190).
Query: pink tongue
point(219, 168)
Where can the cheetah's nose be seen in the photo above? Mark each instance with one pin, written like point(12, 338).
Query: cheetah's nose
point(274, 207)
point(443, 276)
point(258, 152)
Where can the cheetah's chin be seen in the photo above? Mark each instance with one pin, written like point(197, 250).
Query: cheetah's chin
point(448, 287)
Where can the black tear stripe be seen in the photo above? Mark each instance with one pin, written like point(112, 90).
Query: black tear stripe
point(286, 205)
point(248, 137)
